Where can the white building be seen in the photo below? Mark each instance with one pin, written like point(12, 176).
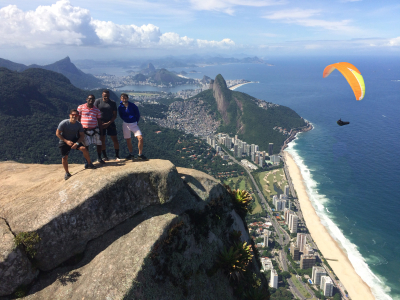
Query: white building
point(265, 240)
point(286, 190)
point(301, 241)
point(266, 264)
point(326, 286)
point(294, 220)
point(274, 199)
point(274, 279)
point(275, 159)
point(317, 273)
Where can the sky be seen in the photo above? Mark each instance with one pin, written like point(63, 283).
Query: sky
point(44, 30)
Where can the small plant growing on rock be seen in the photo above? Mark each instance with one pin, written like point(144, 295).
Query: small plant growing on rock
point(28, 240)
point(241, 200)
point(235, 260)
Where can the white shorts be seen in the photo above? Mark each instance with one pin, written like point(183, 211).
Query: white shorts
point(128, 127)
point(92, 139)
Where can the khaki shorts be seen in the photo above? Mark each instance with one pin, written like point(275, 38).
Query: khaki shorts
point(128, 127)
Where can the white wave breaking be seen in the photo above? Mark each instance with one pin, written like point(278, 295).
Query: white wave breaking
point(378, 288)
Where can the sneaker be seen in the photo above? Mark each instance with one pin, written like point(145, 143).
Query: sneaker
point(91, 166)
point(117, 159)
point(67, 176)
point(105, 158)
point(130, 156)
point(142, 157)
point(100, 161)
point(86, 165)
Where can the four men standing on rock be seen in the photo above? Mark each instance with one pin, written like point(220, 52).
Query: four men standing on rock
point(90, 123)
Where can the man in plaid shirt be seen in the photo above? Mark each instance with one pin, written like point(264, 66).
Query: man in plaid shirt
point(90, 118)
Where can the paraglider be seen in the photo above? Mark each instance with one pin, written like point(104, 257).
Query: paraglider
point(353, 77)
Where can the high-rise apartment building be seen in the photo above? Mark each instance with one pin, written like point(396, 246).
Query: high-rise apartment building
point(270, 149)
point(261, 161)
point(308, 249)
point(256, 148)
point(286, 191)
point(307, 261)
point(274, 199)
point(326, 286)
point(274, 279)
point(317, 273)
point(252, 149)
point(293, 223)
point(265, 240)
point(301, 241)
point(294, 251)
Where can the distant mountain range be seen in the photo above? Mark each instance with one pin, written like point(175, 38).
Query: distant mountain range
point(160, 76)
point(168, 62)
point(65, 67)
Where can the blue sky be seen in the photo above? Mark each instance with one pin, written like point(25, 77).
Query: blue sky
point(99, 29)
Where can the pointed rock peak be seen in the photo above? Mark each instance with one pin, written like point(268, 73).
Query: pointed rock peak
point(151, 67)
point(220, 81)
point(66, 60)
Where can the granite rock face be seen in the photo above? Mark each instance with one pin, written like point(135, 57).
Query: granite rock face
point(69, 214)
point(15, 267)
point(154, 231)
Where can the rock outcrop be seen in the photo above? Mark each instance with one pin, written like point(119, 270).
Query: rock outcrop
point(222, 96)
point(144, 230)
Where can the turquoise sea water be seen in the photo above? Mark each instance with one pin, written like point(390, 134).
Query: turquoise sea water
point(352, 173)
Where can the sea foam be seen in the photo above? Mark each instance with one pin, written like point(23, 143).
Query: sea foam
point(378, 288)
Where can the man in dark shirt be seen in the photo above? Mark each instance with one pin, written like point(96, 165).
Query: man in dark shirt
point(130, 116)
point(70, 133)
point(108, 110)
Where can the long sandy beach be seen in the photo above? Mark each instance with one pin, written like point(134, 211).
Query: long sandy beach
point(343, 269)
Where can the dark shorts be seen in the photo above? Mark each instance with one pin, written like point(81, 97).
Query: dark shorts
point(65, 149)
point(110, 130)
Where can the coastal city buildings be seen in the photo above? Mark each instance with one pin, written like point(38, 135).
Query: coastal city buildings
point(301, 241)
point(294, 251)
point(307, 261)
point(266, 264)
point(270, 149)
point(274, 279)
point(293, 222)
point(308, 250)
point(286, 191)
point(326, 286)
point(317, 273)
point(265, 240)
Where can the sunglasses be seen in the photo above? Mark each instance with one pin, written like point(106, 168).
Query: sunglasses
point(75, 115)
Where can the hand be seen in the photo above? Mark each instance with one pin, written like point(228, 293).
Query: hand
point(69, 143)
point(105, 125)
point(74, 146)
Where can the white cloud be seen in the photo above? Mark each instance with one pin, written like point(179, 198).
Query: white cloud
point(394, 41)
point(59, 23)
point(64, 24)
point(227, 6)
point(303, 17)
point(292, 14)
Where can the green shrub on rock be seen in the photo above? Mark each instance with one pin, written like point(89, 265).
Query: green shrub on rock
point(28, 240)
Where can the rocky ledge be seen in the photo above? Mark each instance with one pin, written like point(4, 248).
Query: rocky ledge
point(143, 230)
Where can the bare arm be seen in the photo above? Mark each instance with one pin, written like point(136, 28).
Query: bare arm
point(59, 135)
point(100, 126)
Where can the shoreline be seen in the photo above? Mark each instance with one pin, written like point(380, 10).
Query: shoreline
point(234, 87)
point(344, 270)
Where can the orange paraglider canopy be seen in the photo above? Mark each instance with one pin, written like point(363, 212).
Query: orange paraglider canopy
point(352, 74)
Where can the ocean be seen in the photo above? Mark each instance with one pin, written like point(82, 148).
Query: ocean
point(352, 173)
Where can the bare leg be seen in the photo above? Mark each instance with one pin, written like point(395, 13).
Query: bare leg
point(103, 142)
point(129, 144)
point(85, 154)
point(65, 163)
point(114, 138)
point(140, 144)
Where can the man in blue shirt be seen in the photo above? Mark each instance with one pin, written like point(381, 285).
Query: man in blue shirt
point(130, 116)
